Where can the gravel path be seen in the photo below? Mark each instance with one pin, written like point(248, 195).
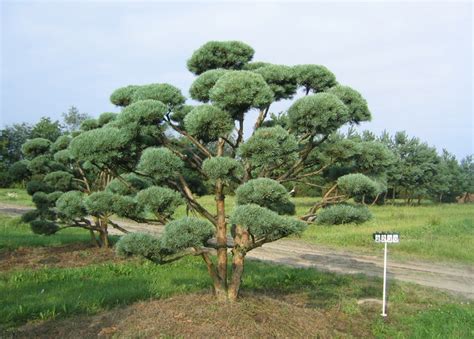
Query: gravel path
point(455, 278)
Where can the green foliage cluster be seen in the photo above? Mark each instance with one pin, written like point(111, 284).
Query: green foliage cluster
point(208, 123)
point(270, 147)
point(224, 168)
point(35, 147)
point(281, 79)
point(179, 235)
point(220, 54)
point(165, 93)
point(315, 78)
point(356, 104)
point(343, 214)
point(71, 205)
point(103, 146)
point(186, 233)
point(321, 113)
point(266, 193)
point(262, 222)
point(160, 163)
point(123, 96)
point(60, 180)
point(238, 91)
point(141, 244)
point(159, 200)
point(357, 185)
point(203, 84)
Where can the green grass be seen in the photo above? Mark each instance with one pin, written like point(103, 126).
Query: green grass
point(436, 232)
point(58, 293)
point(17, 196)
point(15, 234)
point(54, 293)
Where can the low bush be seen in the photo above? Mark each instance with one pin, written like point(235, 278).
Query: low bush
point(343, 214)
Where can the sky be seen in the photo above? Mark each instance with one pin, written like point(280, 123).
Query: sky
point(411, 61)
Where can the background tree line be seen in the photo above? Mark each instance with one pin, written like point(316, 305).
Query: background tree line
point(412, 169)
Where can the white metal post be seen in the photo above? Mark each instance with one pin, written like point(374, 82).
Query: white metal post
point(384, 313)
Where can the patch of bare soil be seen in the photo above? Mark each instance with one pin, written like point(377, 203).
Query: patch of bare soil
point(199, 316)
point(72, 255)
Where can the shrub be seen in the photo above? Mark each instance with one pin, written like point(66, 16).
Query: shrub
point(343, 214)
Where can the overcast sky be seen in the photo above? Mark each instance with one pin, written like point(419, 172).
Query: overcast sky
point(412, 62)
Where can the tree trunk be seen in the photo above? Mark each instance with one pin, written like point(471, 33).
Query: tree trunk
point(94, 239)
point(221, 234)
point(238, 260)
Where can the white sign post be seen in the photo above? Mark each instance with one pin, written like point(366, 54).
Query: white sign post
point(385, 238)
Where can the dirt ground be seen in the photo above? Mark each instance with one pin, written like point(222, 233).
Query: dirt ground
point(199, 316)
point(72, 255)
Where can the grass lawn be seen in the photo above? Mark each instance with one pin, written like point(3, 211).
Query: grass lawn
point(15, 234)
point(433, 232)
point(55, 293)
point(16, 196)
point(49, 294)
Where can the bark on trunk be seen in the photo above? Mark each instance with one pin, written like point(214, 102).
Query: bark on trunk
point(221, 234)
point(241, 240)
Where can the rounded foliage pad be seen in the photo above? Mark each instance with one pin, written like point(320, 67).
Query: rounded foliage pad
point(238, 91)
point(161, 163)
point(34, 147)
point(222, 168)
point(208, 123)
point(220, 54)
point(357, 185)
point(99, 146)
point(269, 147)
point(186, 232)
point(321, 113)
point(70, 205)
point(203, 84)
point(281, 79)
point(343, 214)
point(314, 78)
point(59, 180)
point(266, 193)
point(160, 200)
point(141, 244)
point(357, 105)
point(168, 94)
point(264, 223)
point(123, 96)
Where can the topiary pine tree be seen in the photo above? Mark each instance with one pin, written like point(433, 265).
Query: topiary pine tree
point(137, 163)
point(280, 151)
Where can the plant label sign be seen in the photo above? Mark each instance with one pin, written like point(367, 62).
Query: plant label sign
point(385, 237)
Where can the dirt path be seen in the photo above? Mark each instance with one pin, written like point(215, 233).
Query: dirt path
point(455, 278)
